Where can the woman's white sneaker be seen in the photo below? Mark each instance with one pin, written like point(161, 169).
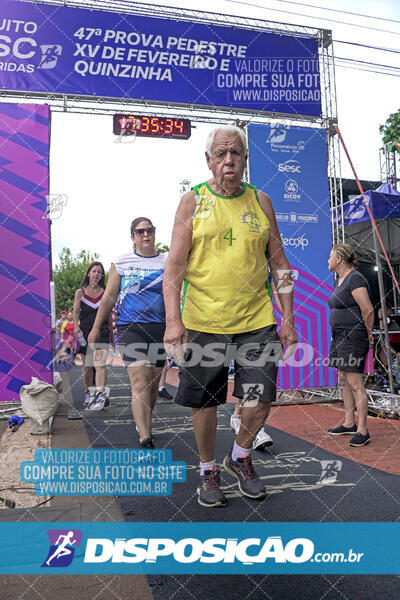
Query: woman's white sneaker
point(262, 440)
point(235, 423)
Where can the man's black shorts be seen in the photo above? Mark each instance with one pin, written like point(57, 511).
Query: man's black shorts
point(204, 375)
point(142, 341)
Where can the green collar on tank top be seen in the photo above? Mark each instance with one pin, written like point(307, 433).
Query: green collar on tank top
point(245, 185)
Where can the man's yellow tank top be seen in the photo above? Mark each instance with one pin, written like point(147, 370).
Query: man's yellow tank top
point(226, 280)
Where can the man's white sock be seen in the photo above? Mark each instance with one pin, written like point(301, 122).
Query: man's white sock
point(207, 466)
point(239, 452)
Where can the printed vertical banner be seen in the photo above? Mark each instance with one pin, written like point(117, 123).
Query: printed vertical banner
point(189, 548)
point(25, 327)
point(290, 165)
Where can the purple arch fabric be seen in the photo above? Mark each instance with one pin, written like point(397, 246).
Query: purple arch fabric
point(25, 328)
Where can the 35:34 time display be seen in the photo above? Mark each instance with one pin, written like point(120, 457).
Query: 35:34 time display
point(152, 126)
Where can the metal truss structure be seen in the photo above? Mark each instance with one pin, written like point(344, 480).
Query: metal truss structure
point(308, 396)
point(384, 404)
point(214, 114)
point(389, 165)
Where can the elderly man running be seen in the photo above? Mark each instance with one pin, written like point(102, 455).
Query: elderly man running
point(225, 236)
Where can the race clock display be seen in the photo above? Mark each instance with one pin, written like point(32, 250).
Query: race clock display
point(152, 126)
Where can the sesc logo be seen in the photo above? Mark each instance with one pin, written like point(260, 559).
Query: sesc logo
point(290, 166)
point(301, 242)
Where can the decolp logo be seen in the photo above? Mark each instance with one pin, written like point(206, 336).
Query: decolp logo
point(290, 166)
point(297, 242)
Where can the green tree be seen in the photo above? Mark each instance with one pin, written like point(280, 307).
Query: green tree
point(68, 275)
point(162, 248)
point(390, 131)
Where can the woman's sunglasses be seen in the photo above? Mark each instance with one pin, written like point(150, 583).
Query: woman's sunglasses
point(148, 230)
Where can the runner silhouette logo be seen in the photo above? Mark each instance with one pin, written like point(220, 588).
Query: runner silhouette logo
point(62, 547)
point(252, 393)
point(50, 55)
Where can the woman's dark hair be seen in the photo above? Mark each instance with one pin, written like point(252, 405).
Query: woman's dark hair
point(346, 253)
point(136, 222)
point(85, 280)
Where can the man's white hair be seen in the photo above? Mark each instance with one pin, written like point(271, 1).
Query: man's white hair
point(226, 129)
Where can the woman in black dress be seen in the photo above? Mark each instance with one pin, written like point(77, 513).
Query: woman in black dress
point(86, 303)
point(351, 320)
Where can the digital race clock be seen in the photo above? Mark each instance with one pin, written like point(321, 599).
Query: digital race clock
point(152, 126)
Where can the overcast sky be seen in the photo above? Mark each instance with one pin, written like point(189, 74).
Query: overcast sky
point(108, 184)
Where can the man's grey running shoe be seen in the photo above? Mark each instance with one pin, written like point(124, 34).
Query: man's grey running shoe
point(249, 483)
point(208, 491)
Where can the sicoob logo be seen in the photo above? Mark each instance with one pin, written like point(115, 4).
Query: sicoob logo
point(62, 547)
point(291, 186)
point(291, 193)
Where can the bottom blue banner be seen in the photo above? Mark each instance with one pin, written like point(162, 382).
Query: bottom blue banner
point(191, 548)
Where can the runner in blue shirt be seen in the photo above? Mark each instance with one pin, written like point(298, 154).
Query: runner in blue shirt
point(135, 283)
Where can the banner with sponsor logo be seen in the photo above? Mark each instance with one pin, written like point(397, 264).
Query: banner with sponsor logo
point(59, 49)
point(290, 165)
point(270, 548)
point(25, 328)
